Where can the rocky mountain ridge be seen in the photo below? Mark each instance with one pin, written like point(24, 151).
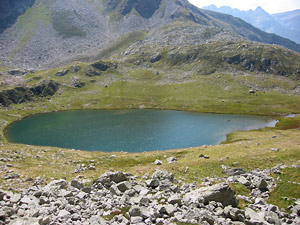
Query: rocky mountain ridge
point(52, 33)
point(283, 24)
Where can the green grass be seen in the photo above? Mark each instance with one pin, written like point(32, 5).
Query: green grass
point(122, 43)
point(62, 23)
point(178, 88)
point(286, 189)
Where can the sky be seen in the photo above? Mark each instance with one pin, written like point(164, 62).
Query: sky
point(271, 6)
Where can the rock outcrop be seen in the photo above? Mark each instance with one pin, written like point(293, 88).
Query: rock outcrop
point(24, 94)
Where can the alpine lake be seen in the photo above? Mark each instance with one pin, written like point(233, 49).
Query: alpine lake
point(129, 130)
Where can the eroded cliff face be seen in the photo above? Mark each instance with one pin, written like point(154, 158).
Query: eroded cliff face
point(10, 10)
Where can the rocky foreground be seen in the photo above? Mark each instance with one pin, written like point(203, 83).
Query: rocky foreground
point(121, 198)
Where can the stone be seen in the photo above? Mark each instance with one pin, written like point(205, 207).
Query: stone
point(219, 193)
point(77, 184)
point(135, 211)
point(272, 218)
point(156, 58)
point(64, 214)
point(172, 160)
point(115, 190)
point(124, 186)
point(103, 66)
point(30, 200)
point(234, 171)
point(163, 175)
point(242, 180)
point(77, 83)
point(186, 170)
point(136, 220)
point(170, 210)
point(16, 72)
point(296, 210)
point(234, 213)
point(116, 177)
point(260, 183)
point(92, 73)
point(145, 213)
point(153, 183)
point(175, 199)
point(25, 221)
point(57, 184)
point(260, 201)
point(62, 73)
point(275, 149)
point(158, 162)
point(76, 68)
point(254, 218)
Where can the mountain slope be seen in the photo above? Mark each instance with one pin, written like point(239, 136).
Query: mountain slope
point(283, 24)
point(55, 32)
point(290, 19)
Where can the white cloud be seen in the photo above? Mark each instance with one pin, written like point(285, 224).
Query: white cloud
point(271, 6)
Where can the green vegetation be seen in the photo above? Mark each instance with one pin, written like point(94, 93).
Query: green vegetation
point(122, 43)
point(287, 189)
point(62, 23)
point(174, 82)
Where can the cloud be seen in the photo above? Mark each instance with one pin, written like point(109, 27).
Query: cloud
point(271, 6)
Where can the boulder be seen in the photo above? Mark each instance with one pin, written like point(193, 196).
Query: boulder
point(25, 221)
point(62, 73)
point(156, 58)
point(77, 184)
point(254, 218)
point(260, 183)
point(76, 68)
point(296, 210)
point(153, 183)
point(103, 66)
point(16, 72)
point(30, 200)
point(64, 214)
point(77, 83)
point(158, 162)
point(242, 180)
point(175, 199)
point(234, 214)
point(234, 171)
point(115, 177)
point(172, 160)
point(163, 175)
point(219, 193)
point(272, 218)
point(135, 211)
point(124, 186)
point(57, 184)
point(92, 73)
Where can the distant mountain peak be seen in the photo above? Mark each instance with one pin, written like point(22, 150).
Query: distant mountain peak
point(59, 31)
point(283, 24)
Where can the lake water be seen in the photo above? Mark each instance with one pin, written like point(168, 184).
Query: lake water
point(129, 130)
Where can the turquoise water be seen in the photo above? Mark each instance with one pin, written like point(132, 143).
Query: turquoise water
point(129, 130)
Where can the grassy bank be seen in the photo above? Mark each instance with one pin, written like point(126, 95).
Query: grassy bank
point(137, 87)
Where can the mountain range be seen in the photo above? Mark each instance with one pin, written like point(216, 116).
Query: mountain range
point(39, 34)
point(285, 24)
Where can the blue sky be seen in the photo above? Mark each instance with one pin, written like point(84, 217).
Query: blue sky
point(271, 6)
